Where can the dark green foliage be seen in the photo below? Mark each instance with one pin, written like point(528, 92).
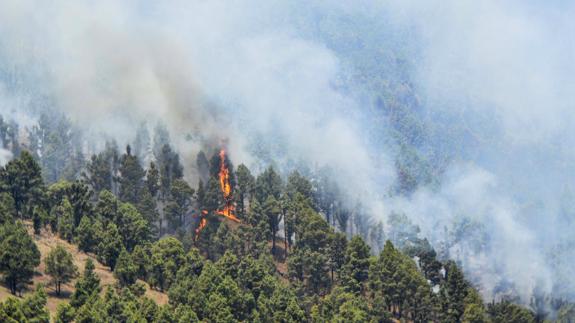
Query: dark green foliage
point(125, 271)
point(354, 271)
point(85, 235)
point(244, 189)
point(34, 306)
point(272, 210)
point(19, 255)
point(167, 257)
point(141, 256)
point(475, 311)
point(133, 228)
point(107, 206)
point(336, 252)
point(60, 265)
point(131, 178)
point(213, 199)
point(395, 278)
point(11, 311)
point(22, 178)
point(7, 208)
point(30, 309)
point(507, 312)
point(148, 209)
point(179, 202)
point(110, 246)
point(38, 217)
point(453, 292)
point(88, 286)
point(65, 219)
point(268, 183)
point(101, 169)
point(153, 179)
point(77, 194)
point(229, 274)
point(169, 167)
point(65, 313)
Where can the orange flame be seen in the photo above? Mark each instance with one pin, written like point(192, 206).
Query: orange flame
point(224, 175)
point(226, 188)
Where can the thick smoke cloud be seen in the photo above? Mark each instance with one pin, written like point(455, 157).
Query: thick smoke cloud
point(505, 72)
point(502, 72)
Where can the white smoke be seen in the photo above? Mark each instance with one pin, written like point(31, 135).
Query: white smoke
point(241, 70)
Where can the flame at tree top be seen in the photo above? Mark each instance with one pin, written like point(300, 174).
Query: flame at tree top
point(224, 175)
point(226, 188)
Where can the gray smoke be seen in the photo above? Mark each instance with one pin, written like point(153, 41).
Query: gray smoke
point(500, 75)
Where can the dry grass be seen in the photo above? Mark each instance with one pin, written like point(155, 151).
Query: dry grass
point(45, 242)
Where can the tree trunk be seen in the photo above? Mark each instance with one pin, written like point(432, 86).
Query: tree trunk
point(285, 238)
point(331, 274)
point(12, 284)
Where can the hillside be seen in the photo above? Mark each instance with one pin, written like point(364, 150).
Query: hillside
point(218, 251)
point(45, 242)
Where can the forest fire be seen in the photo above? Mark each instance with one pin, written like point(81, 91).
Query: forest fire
point(226, 189)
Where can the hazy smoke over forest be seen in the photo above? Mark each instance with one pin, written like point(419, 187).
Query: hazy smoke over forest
point(490, 83)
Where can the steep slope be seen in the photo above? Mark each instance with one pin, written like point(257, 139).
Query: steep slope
point(45, 242)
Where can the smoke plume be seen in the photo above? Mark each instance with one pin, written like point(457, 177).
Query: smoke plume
point(493, 81)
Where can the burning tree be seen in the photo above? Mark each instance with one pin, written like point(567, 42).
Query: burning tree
point(225, 180)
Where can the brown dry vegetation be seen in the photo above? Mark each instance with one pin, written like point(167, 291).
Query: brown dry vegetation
point(45, 242)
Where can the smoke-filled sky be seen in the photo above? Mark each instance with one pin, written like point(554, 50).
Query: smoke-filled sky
point(495, 81)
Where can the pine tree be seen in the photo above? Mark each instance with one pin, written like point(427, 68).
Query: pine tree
point(148, 209)
point(19, 255)
point(213, 197)
point(453, 292)
point(316, 264)
point(102, 168)
point(268, 183)
point(272, 210)
point(131, 177)
point(60, 265)
point(170, 169)
point(125, 270)
point(87, 286)
point(65, 313)
point(179, 203)
point(7, 208)
point(22, 178)
point(34, 306)
point(167, 257)
point(111, 245)
point(245, 188)
point(133, 228)
point(336, 251)
point(153, 179)
point(107, 207)
point(85, 236)
point(354, 271)
point(65, 216)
